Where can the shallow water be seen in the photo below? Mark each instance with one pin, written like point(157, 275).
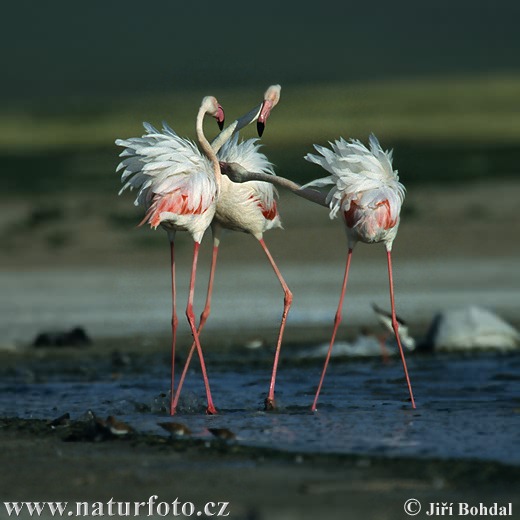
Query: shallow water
point(467, 406)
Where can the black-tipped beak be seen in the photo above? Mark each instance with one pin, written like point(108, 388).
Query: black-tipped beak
point(220, 117)
point(264, 114)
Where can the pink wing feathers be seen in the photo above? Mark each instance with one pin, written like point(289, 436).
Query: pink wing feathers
point(265, 196)
point(171, 174)
point(365, 188)
point(247, 154)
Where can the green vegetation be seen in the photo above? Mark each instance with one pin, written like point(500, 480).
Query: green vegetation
point(479, 109)
point(452, 129)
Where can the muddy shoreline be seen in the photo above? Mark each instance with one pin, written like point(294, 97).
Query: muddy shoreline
point(45, 463)
point(78, 459)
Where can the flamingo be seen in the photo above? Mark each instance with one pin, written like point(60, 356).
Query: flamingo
point(368, 194)
point(260, 114)
point(179, 187)
point(250, 208)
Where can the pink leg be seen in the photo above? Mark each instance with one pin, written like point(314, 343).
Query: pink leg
point(269, 402)
point(384, 351)
point(207, 307)
point(174, 322)
point(191, 320)
point(337, 321)
point(395, 326)
point(203, 318)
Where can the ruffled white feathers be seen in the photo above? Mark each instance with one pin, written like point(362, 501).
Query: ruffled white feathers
point(161, 162)
point(247, 154)
point(249, 206)
point(358, 174)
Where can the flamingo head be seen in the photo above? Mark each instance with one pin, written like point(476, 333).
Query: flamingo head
point(271, 98)
point(223, 167)
point(236, 172)
point(214, 109)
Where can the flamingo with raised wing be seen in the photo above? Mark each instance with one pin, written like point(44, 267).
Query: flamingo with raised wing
point(250, 208)
point(179, 188)
point(367, 193)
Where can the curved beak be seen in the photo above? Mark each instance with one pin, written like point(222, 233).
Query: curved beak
point(220, 117)
point(264, 114)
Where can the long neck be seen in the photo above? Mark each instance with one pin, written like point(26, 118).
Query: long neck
point(206, 147)
point(307, 193)
point(235, 127)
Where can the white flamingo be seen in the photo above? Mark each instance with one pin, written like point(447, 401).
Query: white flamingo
point(250, 208)
point(179, 187)
point(367, 193)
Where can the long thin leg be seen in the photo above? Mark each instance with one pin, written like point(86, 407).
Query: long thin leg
point(203, 318)
point(395, 325)
point(337, 321)
point(269, 402)
point(174, 320)
point(191, 320)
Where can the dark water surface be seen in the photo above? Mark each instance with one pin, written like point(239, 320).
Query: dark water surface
point(467, 406)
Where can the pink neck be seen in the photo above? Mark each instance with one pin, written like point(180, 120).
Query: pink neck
point(204, 144)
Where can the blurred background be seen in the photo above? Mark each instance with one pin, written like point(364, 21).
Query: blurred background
point(439, 83)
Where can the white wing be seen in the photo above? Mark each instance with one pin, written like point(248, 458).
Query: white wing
point(161, 162)
point(247, 154)
point(357, 173)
